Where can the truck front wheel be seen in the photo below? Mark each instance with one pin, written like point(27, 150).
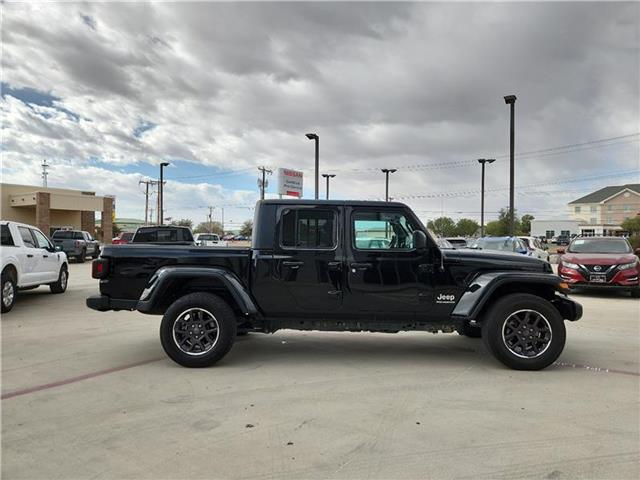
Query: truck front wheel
point(523, 331)
point(198, 329)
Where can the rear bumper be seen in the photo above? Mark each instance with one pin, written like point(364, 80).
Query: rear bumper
point(102, 303)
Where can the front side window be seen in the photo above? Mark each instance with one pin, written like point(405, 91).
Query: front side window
point(382, 231)
point(41, 240)
point(25, 233)
point(306, 228)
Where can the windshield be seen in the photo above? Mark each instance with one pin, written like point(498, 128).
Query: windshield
point(500, 244)
point(599, 245)
point(207, 237)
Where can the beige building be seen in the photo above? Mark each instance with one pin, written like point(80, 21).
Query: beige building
point(603, 211)
point(53, 208)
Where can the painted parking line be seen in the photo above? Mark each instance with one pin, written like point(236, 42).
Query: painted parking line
point(59, 383)
point(596, 369)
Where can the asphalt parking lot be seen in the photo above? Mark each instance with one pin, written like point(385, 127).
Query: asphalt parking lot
point(92, 395)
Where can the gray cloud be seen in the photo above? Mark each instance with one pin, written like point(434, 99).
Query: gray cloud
point(384, 84)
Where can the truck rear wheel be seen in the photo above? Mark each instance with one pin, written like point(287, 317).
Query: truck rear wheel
point(523, 331)
point(9, 291)
point(197, 330)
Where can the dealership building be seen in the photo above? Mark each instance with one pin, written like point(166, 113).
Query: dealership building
point(51, 209)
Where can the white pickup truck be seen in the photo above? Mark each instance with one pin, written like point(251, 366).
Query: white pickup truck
point(208, 240)
point(29, 260)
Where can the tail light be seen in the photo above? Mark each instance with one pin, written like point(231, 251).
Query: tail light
point(78, 243)
point(100, 268)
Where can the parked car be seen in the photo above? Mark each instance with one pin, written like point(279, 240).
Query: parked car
point(305, 271)
point(562, 240)
point(209, 240)
point(535, 248)
point(122, 238)
point(600, 263)
point(443, 243)
point(228, 236)
point(29, 260)
point(500, 244)
point(458, 242)
point(164, 234)
point(241, 238)
point(76, 244)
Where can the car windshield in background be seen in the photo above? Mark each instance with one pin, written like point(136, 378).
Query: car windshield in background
point(127, 236)
point(444, 243)
point(207, 237)
point(599, 245)
point(67, 235)
point(500, 244)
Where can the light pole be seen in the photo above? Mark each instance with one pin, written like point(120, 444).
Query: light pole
point(483, 161)
point(161, 209)
point(387, 171)
point(314, 136)
point(328, 176)
point(511, 100)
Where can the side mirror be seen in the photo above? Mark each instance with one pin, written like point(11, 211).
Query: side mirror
point(419, 240)
point(560, 251)
point(637, 251)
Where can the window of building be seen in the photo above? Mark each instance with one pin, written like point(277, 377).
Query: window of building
point(627, 208)
point(577, 209)
point(382, 231)
point(609, 220)
point(27, 238)
point(593, 220)
point(609, 208)
point(307, 228)
point(594, 208)
point(550, 233)
point(565, 233)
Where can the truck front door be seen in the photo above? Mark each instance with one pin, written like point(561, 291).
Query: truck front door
point(383, 268)
point(308, 258)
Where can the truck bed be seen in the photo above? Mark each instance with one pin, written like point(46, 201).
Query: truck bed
point(131, 266)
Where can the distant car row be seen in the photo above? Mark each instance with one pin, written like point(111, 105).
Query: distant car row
point(174, 234)
point(530, 246)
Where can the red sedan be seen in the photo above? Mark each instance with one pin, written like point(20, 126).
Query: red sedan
point(600, 263)
point(124, 237)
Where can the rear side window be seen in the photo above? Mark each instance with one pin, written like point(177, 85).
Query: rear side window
point(7, 239)
point(306, 228)
point(186, 235)
point(62, 234)
point(145, 236)
point(27, 238)
point(78, 236)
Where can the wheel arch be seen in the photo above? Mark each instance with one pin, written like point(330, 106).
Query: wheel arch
point(11, 269)
point(170, 283)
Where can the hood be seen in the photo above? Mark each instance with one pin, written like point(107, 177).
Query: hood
point(496, 260)
point(598, 258)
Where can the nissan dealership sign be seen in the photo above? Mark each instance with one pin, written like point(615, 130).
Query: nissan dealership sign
point(290, 182)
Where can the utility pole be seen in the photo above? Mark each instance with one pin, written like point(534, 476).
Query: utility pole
point(483, 161)
point(328, 176)
point(387, 171)
point(147, 184)
point(210, 220)
point(45, 174)
point(161, 194)
point(263, 183)
point(511, 101)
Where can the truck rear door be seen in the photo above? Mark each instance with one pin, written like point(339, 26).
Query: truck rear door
point(308, 259)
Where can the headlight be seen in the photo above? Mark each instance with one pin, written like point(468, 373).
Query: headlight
point(575, 266)
point(627, 266)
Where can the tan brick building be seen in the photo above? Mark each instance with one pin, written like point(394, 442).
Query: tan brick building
point(603, 211)
point(53, 208)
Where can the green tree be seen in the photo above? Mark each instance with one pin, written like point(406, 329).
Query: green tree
point(466, 227)
point(632, 225)
point(443, 226)
point(183, 222)
point(500, 227)
point(206, 227)
point(247, 228)
point(525, 224)
point(495, 229)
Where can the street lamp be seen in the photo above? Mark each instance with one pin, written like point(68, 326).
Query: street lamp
point(314, 136)
point(483, 161)
point(328, 176)
point(387, 171)
point(511, 100)
point(161, 195)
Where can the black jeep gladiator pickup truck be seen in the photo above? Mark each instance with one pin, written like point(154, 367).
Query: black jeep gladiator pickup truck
point(340, 266)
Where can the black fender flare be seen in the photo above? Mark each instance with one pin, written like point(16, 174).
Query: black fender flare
point(484, 285)
point(164, 277)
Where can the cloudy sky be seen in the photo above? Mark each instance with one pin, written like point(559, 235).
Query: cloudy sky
point(105, 92)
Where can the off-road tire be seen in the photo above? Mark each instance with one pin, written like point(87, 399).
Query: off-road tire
point(8, 278)
point(63, 279)
point(81, 258)
point(494, 324)
point(96, 253)
point(223, 315)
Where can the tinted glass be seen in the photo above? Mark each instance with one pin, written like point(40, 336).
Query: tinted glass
point(62, 234)
point(25, 233)
point(78, 236)
point(7, 239)
point(308, 228)
point(41, 240)
point(127, 236)
point(145, 236)
point(500, 244)
point(382, 231)
point(185, 235)
point(599, 245)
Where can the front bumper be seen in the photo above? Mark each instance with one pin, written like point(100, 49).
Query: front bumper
point(569, 309)
point(102, 303)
